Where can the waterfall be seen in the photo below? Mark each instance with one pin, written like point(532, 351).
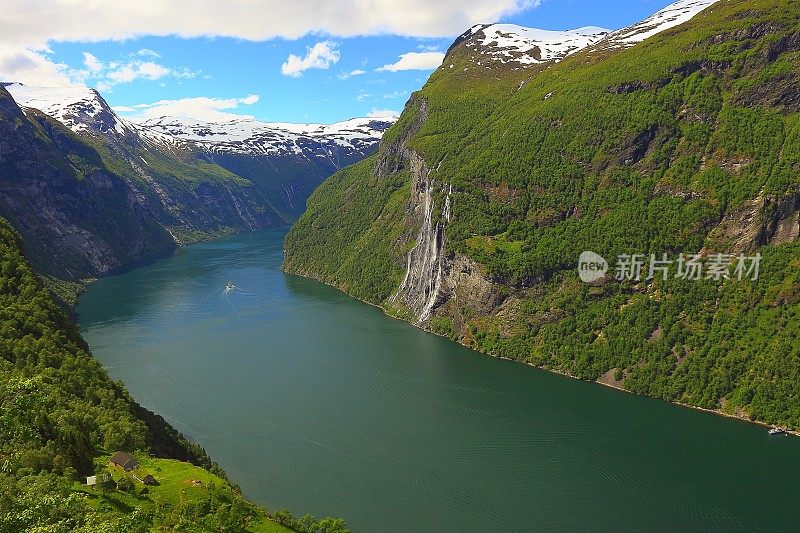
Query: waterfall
point(425, 263)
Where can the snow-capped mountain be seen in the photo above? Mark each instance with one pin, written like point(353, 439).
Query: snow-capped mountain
point(491, 44)
point(81, 109)
point(249, 136)
point(669, 17)
point(509, 43)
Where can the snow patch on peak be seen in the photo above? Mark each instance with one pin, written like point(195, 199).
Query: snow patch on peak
point(519, 46)
point(248, 135)
point(509, 43)
point(669, 17)
point(84, 111)
point(81, 109)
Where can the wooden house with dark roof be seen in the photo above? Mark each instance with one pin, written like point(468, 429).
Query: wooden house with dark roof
point(125, 460)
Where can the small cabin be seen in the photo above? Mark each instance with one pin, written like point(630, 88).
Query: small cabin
point(125, 460)
point(149, 480)
point(91, 481)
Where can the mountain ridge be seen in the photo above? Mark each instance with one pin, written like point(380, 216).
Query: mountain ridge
point(520, 46)
point(83, 108)
point(169, 190)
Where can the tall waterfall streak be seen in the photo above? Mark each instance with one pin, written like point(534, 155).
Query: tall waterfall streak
point(171, 234)
point(424, 276)
point(438, 258)
point(408, 271)
point(446, 210)
point(289, 192)
point(244, 219)
point(411, 278)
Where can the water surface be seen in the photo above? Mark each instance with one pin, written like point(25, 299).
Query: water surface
point(318, 403)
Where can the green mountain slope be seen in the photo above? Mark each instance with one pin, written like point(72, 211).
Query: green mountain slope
point(470, 219)
point(61, 417)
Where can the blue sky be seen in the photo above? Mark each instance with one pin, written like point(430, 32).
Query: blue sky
point(255, 77)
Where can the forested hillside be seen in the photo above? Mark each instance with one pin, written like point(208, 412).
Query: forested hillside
point(61, 417)
point(471, 218)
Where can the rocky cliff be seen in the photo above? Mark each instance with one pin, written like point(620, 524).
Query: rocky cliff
point(91, 192)
point(76, 216)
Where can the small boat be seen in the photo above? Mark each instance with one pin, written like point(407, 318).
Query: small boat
point(777, 431)
point(229, 286)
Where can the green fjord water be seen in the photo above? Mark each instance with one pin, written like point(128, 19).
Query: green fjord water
point(319, 403)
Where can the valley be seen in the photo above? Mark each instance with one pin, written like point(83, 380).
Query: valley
point(91, 192)
point(182, 282)
point(314, 401)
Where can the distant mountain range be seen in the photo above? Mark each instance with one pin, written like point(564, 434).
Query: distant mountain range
point(246, 136)
point(83, 110)
point(91, 191)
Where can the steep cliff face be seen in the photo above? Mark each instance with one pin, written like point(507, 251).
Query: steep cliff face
point(437, 281)
point(76, 217)
point(425, 261)
point(470, 220)
point(766, 219)
point(426, 264)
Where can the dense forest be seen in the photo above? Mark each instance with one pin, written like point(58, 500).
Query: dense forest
point(688, 142)
point(61, 417)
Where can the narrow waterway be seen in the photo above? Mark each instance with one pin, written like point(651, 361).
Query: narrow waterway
point(318, 403)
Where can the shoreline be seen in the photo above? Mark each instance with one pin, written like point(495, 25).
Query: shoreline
point(718, 412)
point(86, 282)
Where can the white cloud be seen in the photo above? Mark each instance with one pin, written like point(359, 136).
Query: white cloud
point(395, 94)
point(24, 46)
point(105, 77)
point(66, 20)
point(186, 73)
point(146, 52)
point(362, 95)
point(428, 47)
point(415, 61)
point(135, 70)
point(92, 63)
point(383, 113)
point(322, 55)
point(31, 67)
point(36, 68)
point(152, 71)
point(200, 107)
point(356, 72)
